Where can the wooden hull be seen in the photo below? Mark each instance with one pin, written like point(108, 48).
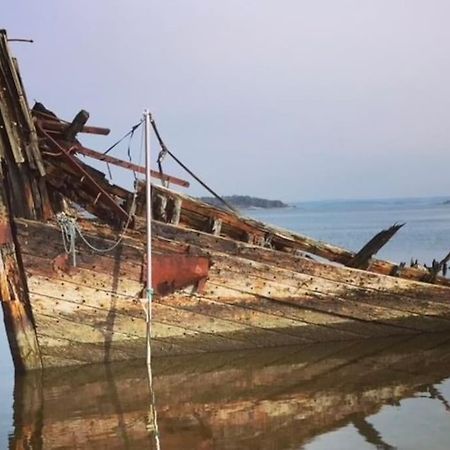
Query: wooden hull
point(252, 299)
point(280, 398)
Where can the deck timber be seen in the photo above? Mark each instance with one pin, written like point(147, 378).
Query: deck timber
point(252, 299)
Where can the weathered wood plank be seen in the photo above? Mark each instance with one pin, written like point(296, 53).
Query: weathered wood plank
point(46, 242)
point(397, 301)
point(17, 313)
point(388, 320)
point(44, 268)
point(257, 311)
point(126, 318)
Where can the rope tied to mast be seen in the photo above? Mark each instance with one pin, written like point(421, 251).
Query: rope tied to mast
point(130, 133)
point(70, 229)
point(69, 234)
point(165, 150)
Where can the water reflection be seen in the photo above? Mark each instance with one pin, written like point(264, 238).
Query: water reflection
point(267, 399)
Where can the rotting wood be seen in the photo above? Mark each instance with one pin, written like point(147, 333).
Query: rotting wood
point(175, 210)
point(128, 165)
point(216, 227)
point(98, 189)
point(17, 312)
point(76, 125)
point(329, 311)
point(21, 195)
point(14, 296)
point(362, 259)
point(69, 132)
point(441, 265)
point(53, 126)
point(22, 161)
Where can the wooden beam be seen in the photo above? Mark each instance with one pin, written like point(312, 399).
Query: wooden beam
point(362, 259)
point(76, 126)
point(87, 177)
point(127, 165)
point(17, 313)
point(60, 127)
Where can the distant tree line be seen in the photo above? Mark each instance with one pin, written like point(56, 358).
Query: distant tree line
point(245, 201)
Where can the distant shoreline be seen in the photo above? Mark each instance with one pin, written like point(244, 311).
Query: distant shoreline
point(245, 201)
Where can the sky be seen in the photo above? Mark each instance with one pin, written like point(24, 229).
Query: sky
point(291, 99)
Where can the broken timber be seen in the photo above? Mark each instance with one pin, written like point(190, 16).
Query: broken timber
point(362, 259)
point(224, 282)
point(22, 194)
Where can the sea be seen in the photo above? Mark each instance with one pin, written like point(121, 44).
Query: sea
point(383, 394)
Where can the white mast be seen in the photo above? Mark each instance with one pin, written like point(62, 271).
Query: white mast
point(149, 289)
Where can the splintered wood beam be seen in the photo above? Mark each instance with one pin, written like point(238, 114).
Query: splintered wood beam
point(127, 165)
point(18, 318)
point(216, 226)
point(437, 267)
point(76, 126)
point(362, 259)
point(176, 211)
point(445, 260)
point(86, 176)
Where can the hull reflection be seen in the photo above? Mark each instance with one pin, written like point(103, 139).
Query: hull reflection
point(274, 398)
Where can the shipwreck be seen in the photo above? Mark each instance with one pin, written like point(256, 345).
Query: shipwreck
point(73, 261)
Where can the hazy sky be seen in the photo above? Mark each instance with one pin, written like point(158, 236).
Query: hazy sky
point(285, 99)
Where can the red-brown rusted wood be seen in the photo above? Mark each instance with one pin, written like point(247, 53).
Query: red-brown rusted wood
point(128, 165)
point(76, 165)
point(14, 299)
point(5, 232)
point(172, 272)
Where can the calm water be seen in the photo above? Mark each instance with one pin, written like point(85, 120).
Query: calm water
point(391, 393)
point(351, 224)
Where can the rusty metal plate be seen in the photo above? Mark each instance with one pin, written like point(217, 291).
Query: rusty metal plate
point(172, 272)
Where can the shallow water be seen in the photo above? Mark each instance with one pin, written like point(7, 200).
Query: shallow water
point(388, 393)
point(6, 386)
point(380, 394)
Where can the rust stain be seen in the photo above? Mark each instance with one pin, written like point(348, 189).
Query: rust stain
point(5, 233)
point(61, 263)
point(172, 272)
